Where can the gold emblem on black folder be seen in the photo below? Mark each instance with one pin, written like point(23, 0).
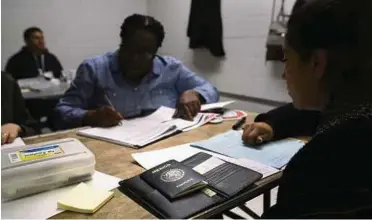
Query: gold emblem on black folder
point(172, 175)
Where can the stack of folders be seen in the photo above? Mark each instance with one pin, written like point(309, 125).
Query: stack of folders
point(182, 189)
point(140, 132)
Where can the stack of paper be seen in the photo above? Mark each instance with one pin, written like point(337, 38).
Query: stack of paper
point(84, 199)
point(179, 153)
point(140, 132)
point(37, 83)
point(276, 154)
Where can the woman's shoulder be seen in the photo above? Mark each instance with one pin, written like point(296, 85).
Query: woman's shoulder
point(349, 139)
point(342, 149)
point(351, 134)
point(333, 166)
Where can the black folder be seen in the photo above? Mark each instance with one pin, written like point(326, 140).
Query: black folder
point(224, 182)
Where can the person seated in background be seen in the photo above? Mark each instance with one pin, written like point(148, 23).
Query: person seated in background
point(15, 119)
point(328, 69)
point(282, 122)
point(132, 81)
point(34, 58)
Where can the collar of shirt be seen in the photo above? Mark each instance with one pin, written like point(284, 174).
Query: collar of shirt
point(157, 66)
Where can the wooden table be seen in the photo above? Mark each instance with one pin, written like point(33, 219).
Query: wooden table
point(117, 161)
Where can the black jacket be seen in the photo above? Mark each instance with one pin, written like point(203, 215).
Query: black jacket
point(24, 65)
point(13, 109)
point(205, 26)
point(287, 121)
point(330, 176)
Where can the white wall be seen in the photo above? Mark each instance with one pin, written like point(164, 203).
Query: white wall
point(244, 70)
point(77, 29)
point(74, 29)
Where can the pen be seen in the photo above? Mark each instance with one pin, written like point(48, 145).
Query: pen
point(238, 124)
point(175, 115)
point(110, 103)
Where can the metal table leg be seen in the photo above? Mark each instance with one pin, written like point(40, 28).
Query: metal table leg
point(266, 201)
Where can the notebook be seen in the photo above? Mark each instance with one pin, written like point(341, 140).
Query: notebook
point(84, 199)
point(140, 132)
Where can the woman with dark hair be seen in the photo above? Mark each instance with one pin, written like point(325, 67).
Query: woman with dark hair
point(329, 69)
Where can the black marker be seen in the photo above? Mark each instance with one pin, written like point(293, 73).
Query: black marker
point(238, 124)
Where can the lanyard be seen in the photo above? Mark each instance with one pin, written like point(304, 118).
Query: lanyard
point(42, 62)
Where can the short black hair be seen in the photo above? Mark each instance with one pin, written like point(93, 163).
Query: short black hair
point(29, 31)
point(137, 21)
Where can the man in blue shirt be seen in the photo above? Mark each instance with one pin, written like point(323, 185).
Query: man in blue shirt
point(132, 81)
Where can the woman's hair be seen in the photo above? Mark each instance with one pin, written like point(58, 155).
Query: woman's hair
point(341, 27)
point(137, 21)
point(298, 4)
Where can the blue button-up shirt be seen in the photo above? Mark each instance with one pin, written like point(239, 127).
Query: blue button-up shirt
point(100, 75)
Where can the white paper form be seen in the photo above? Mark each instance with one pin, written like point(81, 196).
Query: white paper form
point(275, 153)
point(16, 143)
point(179, 153)
point(208, 165)
point(138, 131)
point(215, 105)
point(142, 131)
point(265, 170)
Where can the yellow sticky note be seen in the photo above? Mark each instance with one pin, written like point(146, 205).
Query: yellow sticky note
point(84, 199)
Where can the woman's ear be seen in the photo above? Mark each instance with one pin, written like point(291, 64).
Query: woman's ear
point(319, 62)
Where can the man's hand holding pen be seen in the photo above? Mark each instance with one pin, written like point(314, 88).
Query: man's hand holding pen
point(103, 117)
